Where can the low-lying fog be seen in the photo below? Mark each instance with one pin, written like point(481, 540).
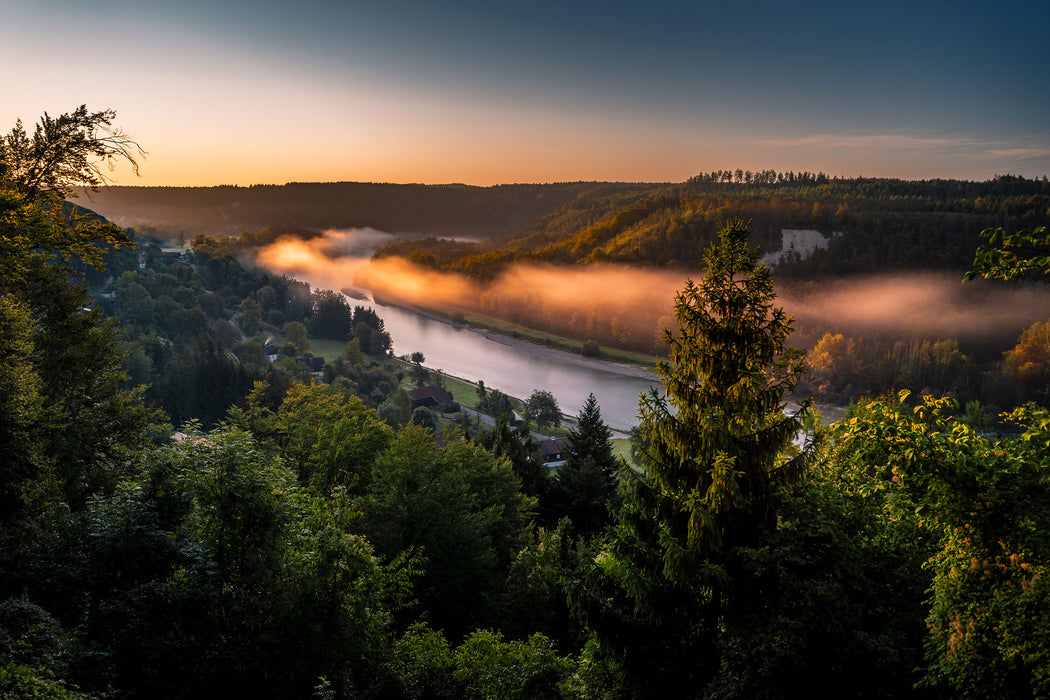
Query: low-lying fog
point(638, 303)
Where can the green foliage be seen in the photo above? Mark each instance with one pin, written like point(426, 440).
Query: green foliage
point(520, 448)
point(497, 404)
point(491, 669)
point(542, 407)
point(330, 439)
point(1010, 256)
point(64, 152)
point(839, 592)
point(534, 598)
point(295, 333)
point(38, 172)
point(332, 317)
point(21, 405)
point(987, 504)
point(21, 682)
point(457, 508)
point(483, 667)
point(212, 572)
point(714, 445)
point(424, 418)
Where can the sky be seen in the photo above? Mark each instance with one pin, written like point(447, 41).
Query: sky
point(257, 91)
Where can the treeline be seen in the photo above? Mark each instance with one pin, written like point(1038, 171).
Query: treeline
point(845, 368)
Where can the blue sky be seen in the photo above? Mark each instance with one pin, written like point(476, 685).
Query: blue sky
point(486, 92)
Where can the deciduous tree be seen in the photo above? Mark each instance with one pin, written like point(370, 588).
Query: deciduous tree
point(542, 407)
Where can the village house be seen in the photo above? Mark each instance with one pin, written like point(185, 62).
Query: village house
point(553, 452)
point(429, 397)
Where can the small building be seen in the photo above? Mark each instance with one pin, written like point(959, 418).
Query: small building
point(314, 364)
point(553, 452)
point(429, 397)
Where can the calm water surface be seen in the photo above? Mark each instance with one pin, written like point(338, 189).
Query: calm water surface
point(472, 355)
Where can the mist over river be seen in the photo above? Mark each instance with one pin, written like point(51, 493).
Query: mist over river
point(513, 367)
point(629, 302)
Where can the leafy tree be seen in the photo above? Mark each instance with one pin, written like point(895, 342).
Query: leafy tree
point(542, 407)
point(1009, 256)
point(251, 316)
point(65, 153)
point(352, 352)
point(418, 358)
point(838, 590)
point(332, 317)
point(329, 438)
point(87, 418)
point(370, 331)
point(1028, 362)
point(424, 418)
point(534, 599)
point(497, 404)
point(400, 408)
point(986, 504)
point(21, 406)
point(295, 333)
point(459, 509)
point(485, 666)
point(489, 667)
point(715, 449)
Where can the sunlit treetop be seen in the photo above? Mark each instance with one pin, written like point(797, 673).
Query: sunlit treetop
point(39, 172)
point(67, 152)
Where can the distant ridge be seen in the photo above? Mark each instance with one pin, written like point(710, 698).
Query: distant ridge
point(446, 210)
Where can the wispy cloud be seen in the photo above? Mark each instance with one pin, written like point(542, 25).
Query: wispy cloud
point(964, 146)
point(1021, 153)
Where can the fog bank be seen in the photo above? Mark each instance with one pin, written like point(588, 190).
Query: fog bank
point(628, 306)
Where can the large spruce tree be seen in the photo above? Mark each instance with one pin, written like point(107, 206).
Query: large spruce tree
point(714, 448)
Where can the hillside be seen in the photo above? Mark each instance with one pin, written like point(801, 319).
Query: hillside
point(884, 224)
point(446, 210)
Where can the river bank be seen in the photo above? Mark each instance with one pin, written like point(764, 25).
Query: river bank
point(551, 347)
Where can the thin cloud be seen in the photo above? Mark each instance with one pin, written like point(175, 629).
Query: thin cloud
point(964, 147)
point(908, 142)
point(1021, 153)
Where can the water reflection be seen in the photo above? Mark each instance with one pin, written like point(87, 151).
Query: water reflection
point(333, 261)
point(472, 355)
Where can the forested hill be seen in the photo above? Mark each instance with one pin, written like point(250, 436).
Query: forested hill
point(445, 210)
point(872, 224)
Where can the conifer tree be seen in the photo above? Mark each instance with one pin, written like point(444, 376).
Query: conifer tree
point(713, 449)
point(585, 486)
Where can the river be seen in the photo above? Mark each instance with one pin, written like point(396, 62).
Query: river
point(516, 368)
